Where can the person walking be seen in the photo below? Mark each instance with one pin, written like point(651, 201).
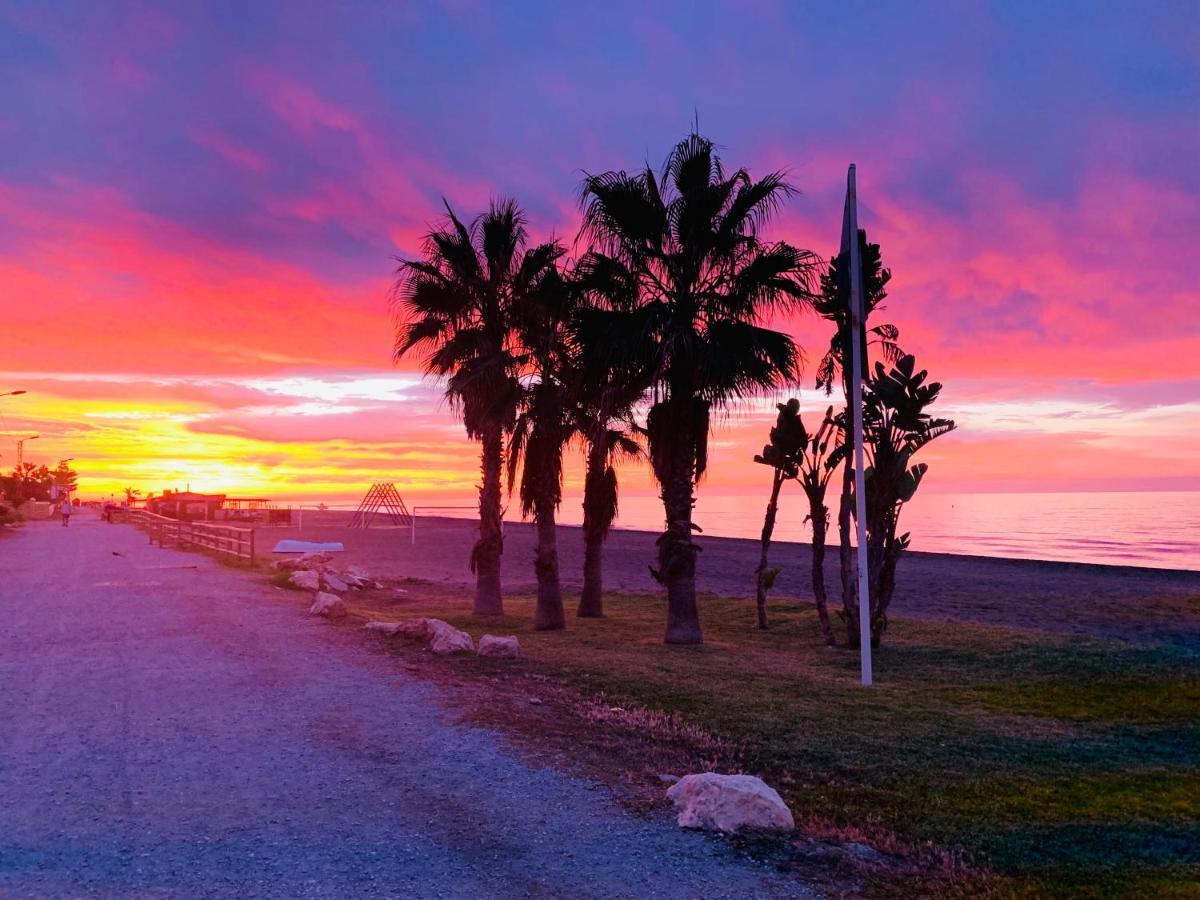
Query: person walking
point(65, 510)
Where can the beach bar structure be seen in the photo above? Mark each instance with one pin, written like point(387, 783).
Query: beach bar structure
point(189, 506)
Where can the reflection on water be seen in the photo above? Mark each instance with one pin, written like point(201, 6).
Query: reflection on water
point(1156, 529)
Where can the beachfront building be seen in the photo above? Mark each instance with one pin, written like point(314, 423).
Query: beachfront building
point(186, 505)
point(253, 509)
point(195, 507)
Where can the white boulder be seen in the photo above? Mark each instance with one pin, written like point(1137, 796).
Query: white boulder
point(306, 580)
point(331, 582)
point(729, 803)
point(442, 637)
point(504, 647)
point(356, 577)
point(448, 639)
point(328, 605)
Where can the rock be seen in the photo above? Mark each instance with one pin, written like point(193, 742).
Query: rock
point(864, 853)
point(729, 803)
point(356, 577)
point(305, 562)
point(442, 637)
point(448, 639)
point(333, 583)
point(666, 778)
point(505, 647)
point(388, 628)
point(328, 605)
point(306, 580)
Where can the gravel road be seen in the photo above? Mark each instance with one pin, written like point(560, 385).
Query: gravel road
point(172, 728)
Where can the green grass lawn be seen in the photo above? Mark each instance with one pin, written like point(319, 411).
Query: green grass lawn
point(1064, 765)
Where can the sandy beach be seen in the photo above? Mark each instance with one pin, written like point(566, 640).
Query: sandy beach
point(1137, 604)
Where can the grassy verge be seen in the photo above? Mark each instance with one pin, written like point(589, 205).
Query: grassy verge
point(1060, 765)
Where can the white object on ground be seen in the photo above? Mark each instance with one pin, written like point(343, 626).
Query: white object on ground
point(308, 547)
point(504, 647)
point(333, 583)
point(306, 579)
point(728, 803)
point(328, 605)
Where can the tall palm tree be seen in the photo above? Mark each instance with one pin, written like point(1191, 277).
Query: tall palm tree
point(458, 302)
point(608, 436)
point(687, 244)
point(543, 429)
point(607, 393)
point(833, 304)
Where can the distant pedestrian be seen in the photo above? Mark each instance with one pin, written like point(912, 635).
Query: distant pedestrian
point(65, 510)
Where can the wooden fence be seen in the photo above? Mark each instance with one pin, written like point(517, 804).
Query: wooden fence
point(168, 532)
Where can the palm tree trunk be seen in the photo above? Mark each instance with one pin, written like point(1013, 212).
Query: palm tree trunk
point(485, 557)
point(676, 551)
point(548, 615)
point(591, 599)
point(760, 593)
point(886, 586)
point(819, 514)
point(849, 605)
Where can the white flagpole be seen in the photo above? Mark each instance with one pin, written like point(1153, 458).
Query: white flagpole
point(850, 236)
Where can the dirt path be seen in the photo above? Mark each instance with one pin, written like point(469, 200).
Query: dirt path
point(172, 728)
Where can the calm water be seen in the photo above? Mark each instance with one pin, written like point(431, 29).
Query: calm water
point(1157, 529)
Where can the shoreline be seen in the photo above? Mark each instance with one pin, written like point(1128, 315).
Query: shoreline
point(1125, 602)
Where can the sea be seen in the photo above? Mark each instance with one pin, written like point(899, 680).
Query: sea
point(1153, 529)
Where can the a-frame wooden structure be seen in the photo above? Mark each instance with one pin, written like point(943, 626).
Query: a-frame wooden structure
point(382, 498)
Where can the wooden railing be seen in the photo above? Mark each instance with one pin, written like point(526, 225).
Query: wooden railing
point(168, 532)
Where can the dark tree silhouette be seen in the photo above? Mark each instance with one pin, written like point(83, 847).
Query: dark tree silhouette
point(458, 303)
point(833, 304)
point(542, 430)
point(685, 243)
point(607, 392)
point(810, 458)
point(782, 454)
point(896, 425)
point(817, 465)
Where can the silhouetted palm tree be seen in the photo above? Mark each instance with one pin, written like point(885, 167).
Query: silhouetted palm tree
point(833, 304)
point(543, 428)
point(782, 454)
point(607, 437)
point(686, 246)
point(459, 301)
point(607, 392)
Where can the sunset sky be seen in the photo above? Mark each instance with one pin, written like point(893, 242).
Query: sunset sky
point(200, 209)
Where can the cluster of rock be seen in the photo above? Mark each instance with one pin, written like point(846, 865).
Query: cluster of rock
point(729, 803)
point(315, 572)
point(442, 638)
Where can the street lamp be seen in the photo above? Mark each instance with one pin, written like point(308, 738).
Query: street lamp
point(21, 448)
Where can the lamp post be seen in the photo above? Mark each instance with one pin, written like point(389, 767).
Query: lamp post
point(21, 448)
